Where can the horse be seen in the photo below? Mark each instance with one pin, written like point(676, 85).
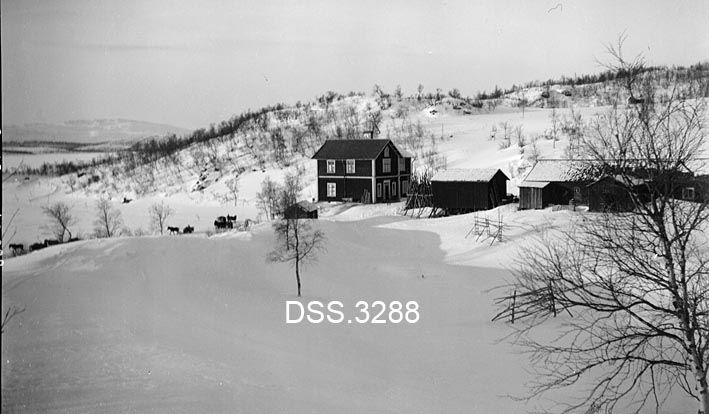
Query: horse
point(17, 248)
point(222, 223)
point(231, 218)
point(37, 246)
point(187, 230)
point(173, 230)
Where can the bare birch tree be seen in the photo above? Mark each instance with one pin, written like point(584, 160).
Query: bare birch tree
point(267, 198)
point(61, 218)
point(631, 290)
point(159, 213)
point(108, 221)
point(297, 243)
point(232, 184)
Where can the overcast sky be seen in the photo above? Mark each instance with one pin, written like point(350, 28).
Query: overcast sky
point(191, 63)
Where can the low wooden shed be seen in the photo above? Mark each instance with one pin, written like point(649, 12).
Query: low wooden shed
point(458, 191)
point(301, 210)
point(533, 194)
point(554, 182)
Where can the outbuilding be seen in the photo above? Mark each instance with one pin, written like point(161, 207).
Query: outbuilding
point(458, 191)
point(553, 182)
point(301, 210)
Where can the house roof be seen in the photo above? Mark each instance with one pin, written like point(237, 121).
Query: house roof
point(469, 175)
point(360, 149)
point(628, 181)
point(405, 154)
point(533, 184)
point(559, 171)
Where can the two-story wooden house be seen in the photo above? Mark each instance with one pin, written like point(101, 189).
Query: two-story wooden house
point(366, 170)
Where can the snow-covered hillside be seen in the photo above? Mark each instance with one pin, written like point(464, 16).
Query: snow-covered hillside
point(197, 323)
point(195, 188)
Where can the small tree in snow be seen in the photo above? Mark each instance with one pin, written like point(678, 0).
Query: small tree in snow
point(159, 214)
point(268, 198)
point(108, 221)
point(555, 127)
point(61, 218)
point(232, 185)
point(297, 243)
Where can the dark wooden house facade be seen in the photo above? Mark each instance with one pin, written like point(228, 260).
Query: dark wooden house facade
point(554, 182)
point(611, 194)
point(464, 190)
point(692, 187)
point(365, 170)
point(301, 210)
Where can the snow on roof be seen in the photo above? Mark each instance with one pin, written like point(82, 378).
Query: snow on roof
point(700, 167)
point(404, 153)
point(533, 184)
point(307, 205)
point(559, 171)
point(470, 174)
point(629, 181)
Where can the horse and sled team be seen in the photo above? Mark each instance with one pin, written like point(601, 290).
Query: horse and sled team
point(222, 222)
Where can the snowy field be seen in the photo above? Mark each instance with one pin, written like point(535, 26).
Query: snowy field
point(197, 323)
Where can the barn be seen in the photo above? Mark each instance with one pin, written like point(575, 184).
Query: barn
point(458, 191)
point(301, 210)
point(554, 182)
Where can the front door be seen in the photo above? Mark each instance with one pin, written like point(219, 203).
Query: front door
point(387, 194)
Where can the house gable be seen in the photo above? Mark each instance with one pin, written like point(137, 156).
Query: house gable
point(376, 165)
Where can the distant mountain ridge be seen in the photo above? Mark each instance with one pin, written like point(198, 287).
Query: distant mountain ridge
point(116, 131)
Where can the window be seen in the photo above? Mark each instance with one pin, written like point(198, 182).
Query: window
point(577, 194)
point(331, 166)
point(386, 165)
point(405, 187)
point(379, 190)
point(331, 189)
point(688, 193)
point(402, 164)
point(386, 151)
point(393, 189)
point(350, 166)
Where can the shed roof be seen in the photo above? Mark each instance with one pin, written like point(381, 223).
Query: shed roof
point(340, 149)
point(533, 184)
point(469, 175)
point(559, 171)
point(306, 206)
point(405, 153)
